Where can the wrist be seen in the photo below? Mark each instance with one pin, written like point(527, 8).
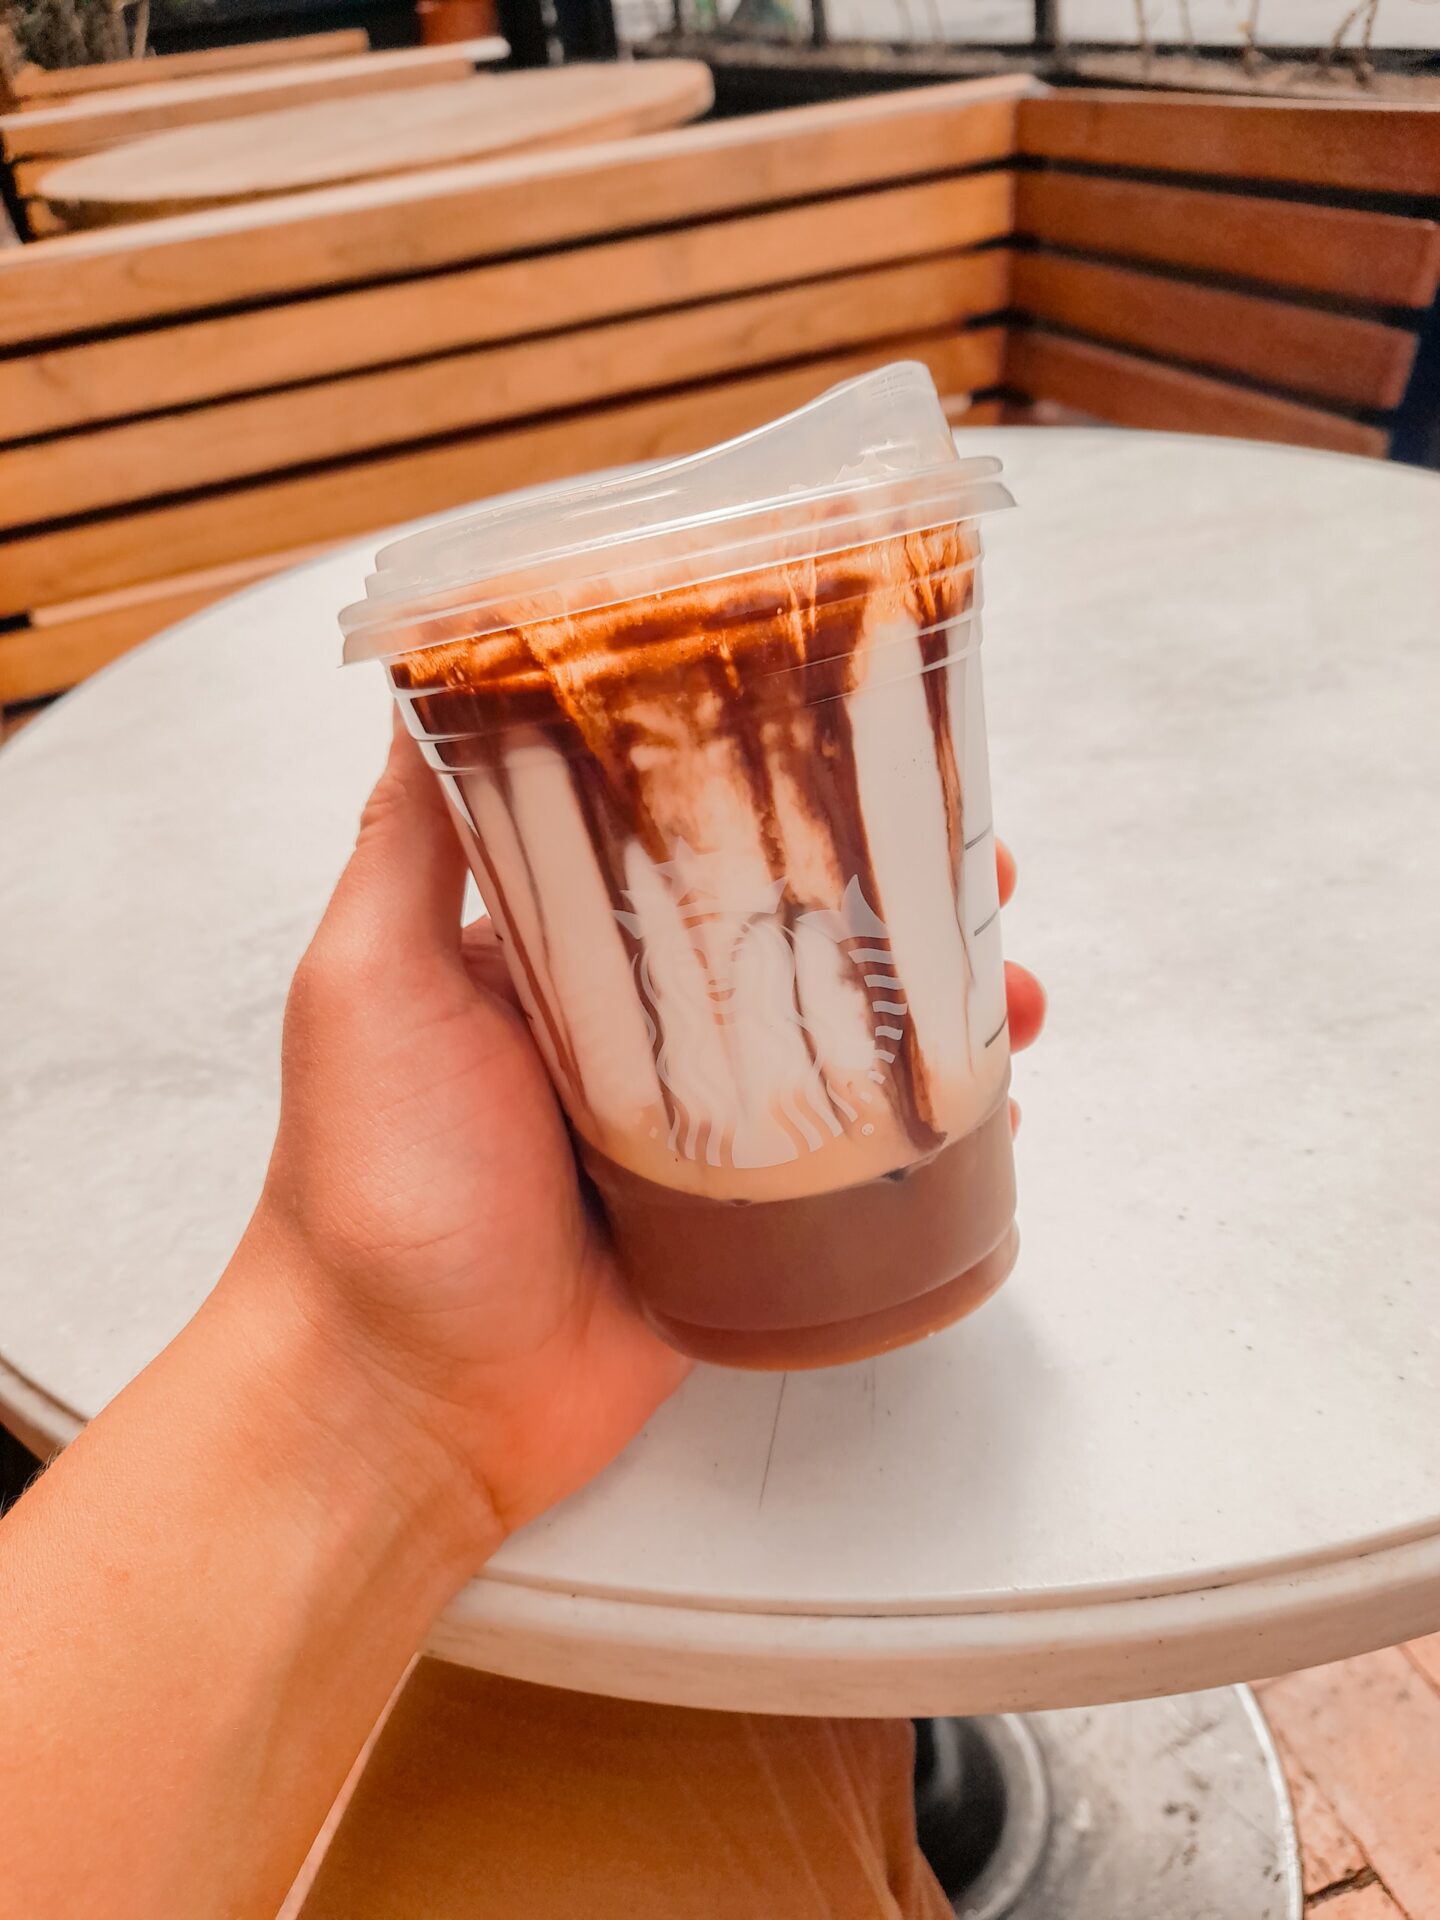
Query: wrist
point(347, 1426)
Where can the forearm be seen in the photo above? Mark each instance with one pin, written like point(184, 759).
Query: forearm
point(204, 1605)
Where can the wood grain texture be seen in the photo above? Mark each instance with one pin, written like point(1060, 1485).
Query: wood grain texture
point(1378, 257)
point(1375, 149)
point(1127, 391)
point(79, 126)
point(318, 507)
point(33, 86)
point(326, 142)
point(79, 473)
point(74, 386)
point(389, 229)
point(1332, 356)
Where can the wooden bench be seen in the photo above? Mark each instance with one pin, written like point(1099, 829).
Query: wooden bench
point(1225, 266)
point(194, 402)
point(216, 391)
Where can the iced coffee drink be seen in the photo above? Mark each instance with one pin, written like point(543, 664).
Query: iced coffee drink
point(713, 736)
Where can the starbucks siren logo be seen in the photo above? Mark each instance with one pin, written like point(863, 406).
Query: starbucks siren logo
point(721, 970)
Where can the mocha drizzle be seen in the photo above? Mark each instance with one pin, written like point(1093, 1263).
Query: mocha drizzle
point(760, 663)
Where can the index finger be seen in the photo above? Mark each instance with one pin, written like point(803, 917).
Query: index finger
point(1004, 870)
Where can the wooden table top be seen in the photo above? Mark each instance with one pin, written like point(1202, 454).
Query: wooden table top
point(327, 142)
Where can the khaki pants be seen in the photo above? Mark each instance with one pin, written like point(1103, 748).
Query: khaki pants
point(485, 1798)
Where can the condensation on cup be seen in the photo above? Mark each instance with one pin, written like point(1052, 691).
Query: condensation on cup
point(713, 736)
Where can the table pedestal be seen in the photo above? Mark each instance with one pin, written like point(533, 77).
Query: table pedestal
point(1173, 1806)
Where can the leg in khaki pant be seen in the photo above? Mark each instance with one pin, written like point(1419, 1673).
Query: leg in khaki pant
point(485, 1798)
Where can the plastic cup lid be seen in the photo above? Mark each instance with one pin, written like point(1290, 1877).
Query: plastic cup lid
point(871, 459)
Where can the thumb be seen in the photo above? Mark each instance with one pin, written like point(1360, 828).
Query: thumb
point(401, 892)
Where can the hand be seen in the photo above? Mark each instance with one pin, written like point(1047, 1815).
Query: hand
point(423, 1177)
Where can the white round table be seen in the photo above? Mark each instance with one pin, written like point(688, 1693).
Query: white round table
point(1193, 1439)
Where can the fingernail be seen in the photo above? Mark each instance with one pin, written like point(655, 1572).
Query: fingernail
point(1014, 1118)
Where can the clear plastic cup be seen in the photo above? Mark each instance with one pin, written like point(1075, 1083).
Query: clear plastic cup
point(713, 736)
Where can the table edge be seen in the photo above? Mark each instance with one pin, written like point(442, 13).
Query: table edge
point(1024, 1658)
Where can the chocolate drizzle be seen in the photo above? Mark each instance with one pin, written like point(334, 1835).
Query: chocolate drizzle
point(754, 670)
point(493, 893)
point(940, 609)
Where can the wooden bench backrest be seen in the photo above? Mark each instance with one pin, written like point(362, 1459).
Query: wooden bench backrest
point(1225, 266)
point(213, 392)
point(187, 404)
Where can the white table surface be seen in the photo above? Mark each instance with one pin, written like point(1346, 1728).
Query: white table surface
point(1197, 1436)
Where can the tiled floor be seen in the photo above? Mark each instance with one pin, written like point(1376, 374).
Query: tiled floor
point(1361, 1744)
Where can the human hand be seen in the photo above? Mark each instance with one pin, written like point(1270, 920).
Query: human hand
point(423, 1182)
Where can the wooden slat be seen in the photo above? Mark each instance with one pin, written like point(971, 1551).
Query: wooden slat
point(41, 84)
point(81, 126)
point(1355, 362)
point(325, 505)
point(383, 229)
point(1376, 149)
point(1379, 257)
point(63, 644)
point(74, 386)
point(80, 473)
point(1130, 392)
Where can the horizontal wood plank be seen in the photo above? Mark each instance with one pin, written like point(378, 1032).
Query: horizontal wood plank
point(83, 472)
point(64, 644)
point(76, 386)
point(1127, 391)
point(389, 229)
point(95, 121)
point(1379, 257)
point(326, 505)
point(1332, 356)
point(32, 85)
point(1373, 149)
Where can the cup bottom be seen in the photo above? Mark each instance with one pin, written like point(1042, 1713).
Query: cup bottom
point(838, 1342)
point(821, 1278)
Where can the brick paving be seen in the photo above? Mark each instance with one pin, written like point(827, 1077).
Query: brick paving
point(1361, 1745)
